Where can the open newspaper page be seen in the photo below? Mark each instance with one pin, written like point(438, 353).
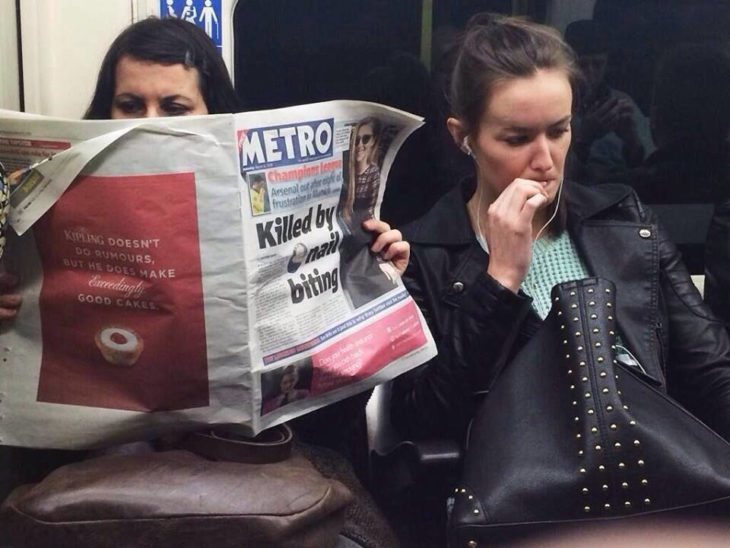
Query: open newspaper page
point(328, 316)
point(154, 286)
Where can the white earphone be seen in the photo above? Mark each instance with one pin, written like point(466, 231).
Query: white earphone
point(465, 147)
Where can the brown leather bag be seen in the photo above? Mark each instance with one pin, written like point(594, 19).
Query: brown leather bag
point(178, 498)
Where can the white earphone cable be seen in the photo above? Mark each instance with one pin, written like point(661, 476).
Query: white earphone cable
point(555, 211)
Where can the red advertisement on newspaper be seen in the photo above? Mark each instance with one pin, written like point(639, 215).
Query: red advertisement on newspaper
point(357, 356)
point(368, 350)
point(121, 302)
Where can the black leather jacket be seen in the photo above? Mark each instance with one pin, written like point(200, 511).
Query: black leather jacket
point(479, 325)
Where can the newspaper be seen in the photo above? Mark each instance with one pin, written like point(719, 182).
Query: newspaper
point(194, 271)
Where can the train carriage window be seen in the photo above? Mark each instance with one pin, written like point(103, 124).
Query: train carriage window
point(315, 50)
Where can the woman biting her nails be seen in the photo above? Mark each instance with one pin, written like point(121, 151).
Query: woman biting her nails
point(486, 257)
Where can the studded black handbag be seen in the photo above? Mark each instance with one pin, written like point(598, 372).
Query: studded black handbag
point(569, 435)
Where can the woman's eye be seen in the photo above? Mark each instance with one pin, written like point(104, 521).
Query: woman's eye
point(128, 107)
point(175, 109)
point(558, 132)
point(516, 140)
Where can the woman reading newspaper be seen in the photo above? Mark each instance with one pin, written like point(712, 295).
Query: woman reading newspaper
point(168, 67)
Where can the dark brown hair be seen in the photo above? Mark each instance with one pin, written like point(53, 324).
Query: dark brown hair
point(494, 48)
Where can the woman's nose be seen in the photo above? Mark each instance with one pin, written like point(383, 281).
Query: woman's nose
point(541, 159)
point(151, 111)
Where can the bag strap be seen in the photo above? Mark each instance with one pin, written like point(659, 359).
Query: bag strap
point(272, 445)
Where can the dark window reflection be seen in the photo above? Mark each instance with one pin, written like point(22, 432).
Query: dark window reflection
point(292, 52)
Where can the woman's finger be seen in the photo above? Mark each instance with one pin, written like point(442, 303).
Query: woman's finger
point(9, 304)
point(375, 225)
point(510, 204)
point(7, 313)
point(10, 300)
point(385, 239)
point(531, 206)
point(399, 254)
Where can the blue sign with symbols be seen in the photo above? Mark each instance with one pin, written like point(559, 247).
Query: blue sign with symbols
point(205, 14)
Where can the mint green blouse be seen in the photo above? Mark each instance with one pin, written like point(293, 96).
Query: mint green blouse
point(554, 260)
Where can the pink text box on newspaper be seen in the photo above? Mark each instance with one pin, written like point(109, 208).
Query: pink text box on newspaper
point(367, 350)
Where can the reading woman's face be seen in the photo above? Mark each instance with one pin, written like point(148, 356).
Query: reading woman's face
point(149, 90)
point(288, 382)
point(525, 132)
point(364, 142)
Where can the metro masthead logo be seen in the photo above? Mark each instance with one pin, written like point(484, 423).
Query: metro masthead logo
point(285, 145)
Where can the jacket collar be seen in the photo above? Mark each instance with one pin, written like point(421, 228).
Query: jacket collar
point(585, 202)
point(447, 223)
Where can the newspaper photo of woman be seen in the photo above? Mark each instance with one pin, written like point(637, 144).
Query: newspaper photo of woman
point(286, 386)
point(363, 173)
point(364, 275)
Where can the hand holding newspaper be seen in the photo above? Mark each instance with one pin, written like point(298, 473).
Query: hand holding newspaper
point(194, 271)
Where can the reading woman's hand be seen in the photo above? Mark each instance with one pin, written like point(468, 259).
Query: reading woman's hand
point(508, 233)
point(389, 244)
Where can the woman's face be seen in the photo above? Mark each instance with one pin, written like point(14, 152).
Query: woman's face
point(525, 132)
point(364, 143)
point(150, 90)
point(288, 382)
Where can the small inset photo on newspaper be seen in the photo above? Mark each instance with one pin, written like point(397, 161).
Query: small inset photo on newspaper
point(285, 385)
point(258, 193)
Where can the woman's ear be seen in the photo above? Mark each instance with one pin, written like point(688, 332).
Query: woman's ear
point(459, 135)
